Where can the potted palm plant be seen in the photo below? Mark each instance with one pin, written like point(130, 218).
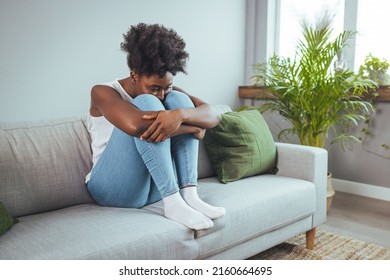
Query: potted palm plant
point(313, 91)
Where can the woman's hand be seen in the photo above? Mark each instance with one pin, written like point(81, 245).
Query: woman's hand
point(200, 133)
point(164, 125)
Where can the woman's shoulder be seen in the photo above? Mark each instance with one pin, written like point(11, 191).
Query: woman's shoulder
point(113, 87)
point(104, 86)
point(102, 94)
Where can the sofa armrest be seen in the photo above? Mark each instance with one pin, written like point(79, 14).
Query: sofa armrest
point(306, 163)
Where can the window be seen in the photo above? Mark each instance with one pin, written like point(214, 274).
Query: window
point(292, 12)
point(283, 30)
point(373, 27)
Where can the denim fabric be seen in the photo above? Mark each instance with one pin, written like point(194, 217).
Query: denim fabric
point(133, 173)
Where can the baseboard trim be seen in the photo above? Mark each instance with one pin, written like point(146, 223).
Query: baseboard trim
point(362, 189)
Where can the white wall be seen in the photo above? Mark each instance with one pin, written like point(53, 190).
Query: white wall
point(54, 51)
point(368, 162)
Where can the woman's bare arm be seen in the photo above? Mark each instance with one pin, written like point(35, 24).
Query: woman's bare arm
point(105, 101)
point(150, 125)
point(201, 117)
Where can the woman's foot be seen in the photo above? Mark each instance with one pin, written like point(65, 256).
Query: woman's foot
point(176, 209)
point(190, 195)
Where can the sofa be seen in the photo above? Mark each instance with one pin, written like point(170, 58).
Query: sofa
point(43, 165)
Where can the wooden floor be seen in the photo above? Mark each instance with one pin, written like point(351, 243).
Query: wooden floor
point(361, 217)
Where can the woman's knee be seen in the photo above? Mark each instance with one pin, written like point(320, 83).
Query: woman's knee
point(147, 102)
point(176, 99)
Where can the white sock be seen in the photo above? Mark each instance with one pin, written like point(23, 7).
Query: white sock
point(190, 195)
point(177, 210)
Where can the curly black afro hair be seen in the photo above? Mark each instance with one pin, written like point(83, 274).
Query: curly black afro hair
point(154, 49)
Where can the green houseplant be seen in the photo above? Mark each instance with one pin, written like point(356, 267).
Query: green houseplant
point(375, 69)
point(313, 95)
point(308, 92)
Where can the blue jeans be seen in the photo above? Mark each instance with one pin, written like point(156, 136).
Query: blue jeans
point(134, 173)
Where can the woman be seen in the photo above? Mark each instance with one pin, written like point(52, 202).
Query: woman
point(145, 132)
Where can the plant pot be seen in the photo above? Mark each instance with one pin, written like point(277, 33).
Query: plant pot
point(330, 192)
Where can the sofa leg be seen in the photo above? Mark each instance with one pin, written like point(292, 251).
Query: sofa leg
point(310, 236)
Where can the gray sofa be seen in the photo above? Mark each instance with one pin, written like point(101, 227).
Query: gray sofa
point(42, 169)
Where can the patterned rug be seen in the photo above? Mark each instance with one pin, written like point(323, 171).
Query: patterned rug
point(328, 246)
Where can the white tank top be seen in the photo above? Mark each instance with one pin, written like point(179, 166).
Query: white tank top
point(100, 129)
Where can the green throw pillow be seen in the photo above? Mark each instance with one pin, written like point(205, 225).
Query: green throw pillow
point(241, 145)
point(6, 221)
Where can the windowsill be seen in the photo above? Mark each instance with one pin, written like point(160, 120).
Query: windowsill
point(261, 93)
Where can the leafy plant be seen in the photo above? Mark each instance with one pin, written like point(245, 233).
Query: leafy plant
point(375, 69)
point(309, 94)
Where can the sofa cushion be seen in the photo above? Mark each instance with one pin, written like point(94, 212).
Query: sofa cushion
point(90, 231)
point(43, 165)
point(241, 146)
point(254, 206)
point(6, 220)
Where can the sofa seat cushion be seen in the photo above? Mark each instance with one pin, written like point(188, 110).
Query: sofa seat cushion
point(89, 231)
point(254, 206)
